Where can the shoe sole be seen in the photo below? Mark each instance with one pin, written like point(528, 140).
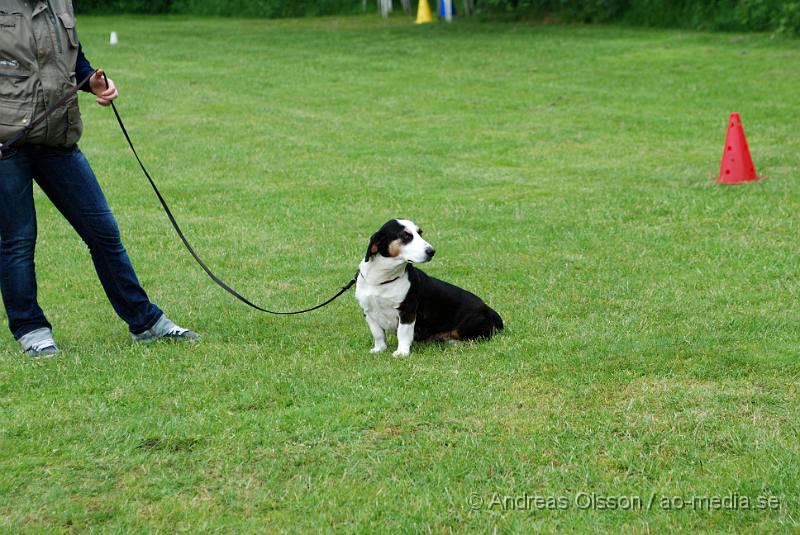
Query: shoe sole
point(173, 339)
point(39, 356)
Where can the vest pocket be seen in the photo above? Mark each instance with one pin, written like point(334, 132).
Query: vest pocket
point(10, 24)
point(68, 22)
point(15, 38)
point(14, 116)
point(14, 82)
point(12, 34)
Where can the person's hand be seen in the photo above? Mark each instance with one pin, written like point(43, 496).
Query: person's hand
point(98, 86)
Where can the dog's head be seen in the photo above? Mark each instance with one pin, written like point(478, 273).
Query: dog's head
point(400, 239)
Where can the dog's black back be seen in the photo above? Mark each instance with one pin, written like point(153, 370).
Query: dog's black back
point(445, 312)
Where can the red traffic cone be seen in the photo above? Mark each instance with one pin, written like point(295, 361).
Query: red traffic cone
point(737, 165)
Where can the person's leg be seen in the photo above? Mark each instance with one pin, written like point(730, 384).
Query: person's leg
point(17, 244)
point(67, 179)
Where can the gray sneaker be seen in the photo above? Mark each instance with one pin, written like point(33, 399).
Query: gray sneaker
point(39, 343)
point(166, 329)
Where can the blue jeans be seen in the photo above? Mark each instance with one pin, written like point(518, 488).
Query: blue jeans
point(68, 181)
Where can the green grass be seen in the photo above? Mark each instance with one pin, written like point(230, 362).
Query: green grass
point(564, 173)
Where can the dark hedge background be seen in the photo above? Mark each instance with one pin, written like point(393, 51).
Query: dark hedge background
point(735, 15)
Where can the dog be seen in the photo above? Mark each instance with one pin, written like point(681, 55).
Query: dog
point(396, 296)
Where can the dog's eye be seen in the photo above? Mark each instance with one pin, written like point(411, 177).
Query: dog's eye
point(419, 231)
point(406, 237)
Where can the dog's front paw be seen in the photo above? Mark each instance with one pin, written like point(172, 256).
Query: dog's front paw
point(378, 349)
point(401, 353)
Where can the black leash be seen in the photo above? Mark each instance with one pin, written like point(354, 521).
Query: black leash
point(202, 264)
point(172, 220)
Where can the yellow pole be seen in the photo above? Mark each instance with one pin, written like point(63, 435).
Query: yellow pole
point(424, 12)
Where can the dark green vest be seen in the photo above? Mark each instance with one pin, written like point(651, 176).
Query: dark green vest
point(38, 49)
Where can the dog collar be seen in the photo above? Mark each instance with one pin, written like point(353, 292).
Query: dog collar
point(381, 284)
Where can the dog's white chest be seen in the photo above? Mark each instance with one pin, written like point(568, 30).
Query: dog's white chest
point(380, 302)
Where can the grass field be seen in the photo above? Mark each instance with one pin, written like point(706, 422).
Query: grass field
point(565, 174)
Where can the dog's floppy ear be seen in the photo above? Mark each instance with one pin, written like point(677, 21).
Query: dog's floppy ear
point(372, 248)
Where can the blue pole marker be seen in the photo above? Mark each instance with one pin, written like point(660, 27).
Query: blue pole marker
point(443, 9)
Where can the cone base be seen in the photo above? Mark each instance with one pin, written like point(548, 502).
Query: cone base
point(734, 181)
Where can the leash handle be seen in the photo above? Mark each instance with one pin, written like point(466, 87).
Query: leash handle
point(191, 250)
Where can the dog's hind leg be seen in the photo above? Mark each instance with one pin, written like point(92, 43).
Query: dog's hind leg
point(378, 336)
point(478, 326)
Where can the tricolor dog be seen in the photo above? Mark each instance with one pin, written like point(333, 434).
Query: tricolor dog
point(396, 296)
